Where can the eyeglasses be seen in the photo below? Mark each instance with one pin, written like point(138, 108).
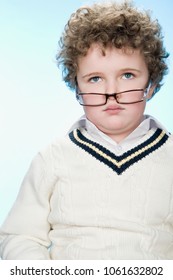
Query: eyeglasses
point(125, 97)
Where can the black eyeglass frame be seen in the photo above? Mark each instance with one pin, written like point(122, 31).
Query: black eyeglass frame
point(107, 95)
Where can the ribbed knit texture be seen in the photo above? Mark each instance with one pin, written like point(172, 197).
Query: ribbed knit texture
point(87, 210)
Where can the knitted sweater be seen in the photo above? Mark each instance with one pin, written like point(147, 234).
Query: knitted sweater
point(81, 201)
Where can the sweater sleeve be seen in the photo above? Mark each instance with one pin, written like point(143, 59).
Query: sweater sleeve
point(25, 232)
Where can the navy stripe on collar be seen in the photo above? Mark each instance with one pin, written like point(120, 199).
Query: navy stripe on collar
point(119, 163)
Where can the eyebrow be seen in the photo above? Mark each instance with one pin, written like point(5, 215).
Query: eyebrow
point(92, 74)
point(121, 70)
point(130, 69)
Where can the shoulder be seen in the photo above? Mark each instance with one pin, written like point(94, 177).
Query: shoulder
point(168, 150)
point(169, 135)
point(171, 139)
point(56, 150)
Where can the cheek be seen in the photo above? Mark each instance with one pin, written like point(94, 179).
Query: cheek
point(132, 113)
point(88, 110)
point(92, 113)
point(137, 110)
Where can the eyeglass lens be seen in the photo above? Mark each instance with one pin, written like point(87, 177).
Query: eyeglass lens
point(96, 99)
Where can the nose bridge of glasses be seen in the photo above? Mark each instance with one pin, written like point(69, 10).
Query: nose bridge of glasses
point(113, 96)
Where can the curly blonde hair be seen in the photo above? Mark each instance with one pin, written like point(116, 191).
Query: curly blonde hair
point(117, 24)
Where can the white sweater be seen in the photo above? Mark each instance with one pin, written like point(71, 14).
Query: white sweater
point(81, 201)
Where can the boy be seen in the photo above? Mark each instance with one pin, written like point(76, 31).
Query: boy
point(105, 191)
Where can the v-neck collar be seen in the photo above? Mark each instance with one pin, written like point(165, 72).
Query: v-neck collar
point(126, 144)
point(119, 164)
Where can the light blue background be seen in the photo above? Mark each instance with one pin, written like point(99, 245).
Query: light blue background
point(35, 105)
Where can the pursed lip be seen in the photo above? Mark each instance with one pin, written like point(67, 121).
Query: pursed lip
point(113, 108)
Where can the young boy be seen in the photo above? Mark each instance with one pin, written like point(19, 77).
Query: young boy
point(104, 191)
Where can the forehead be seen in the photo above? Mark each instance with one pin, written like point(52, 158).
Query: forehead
point(111, 57)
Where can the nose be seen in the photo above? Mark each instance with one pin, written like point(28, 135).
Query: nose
point(111, 97)
point(111, 89)
point(111, 86)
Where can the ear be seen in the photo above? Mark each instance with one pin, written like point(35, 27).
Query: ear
point(151, 91)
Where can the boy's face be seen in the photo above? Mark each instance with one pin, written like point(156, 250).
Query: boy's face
point(114, 72)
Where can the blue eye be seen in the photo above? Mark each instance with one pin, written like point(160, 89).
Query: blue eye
point(95, 79)
point(128, 75)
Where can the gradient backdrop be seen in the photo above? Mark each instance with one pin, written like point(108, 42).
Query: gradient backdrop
point(35, 105)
